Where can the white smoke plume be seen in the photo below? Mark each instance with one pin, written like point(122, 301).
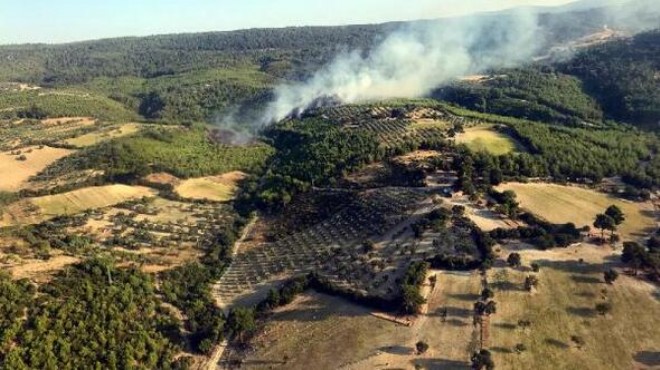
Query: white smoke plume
point(414, 60)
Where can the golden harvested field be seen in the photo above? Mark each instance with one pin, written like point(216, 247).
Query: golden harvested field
point(15, 173)
point(487, 138)
point(217, 188)
point(88, 198)
point(35, 210)
point(559, 204)
point(104, 134)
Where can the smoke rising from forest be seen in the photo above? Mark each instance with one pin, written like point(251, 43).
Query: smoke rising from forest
point(421, 56)
point(415, 59)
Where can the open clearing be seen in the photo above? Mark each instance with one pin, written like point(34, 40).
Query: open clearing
point(560, 204)
point(487, 138)
point(317, 331)
point(563, 306)
point(104, 134)
point(15, 173)
point(217, 188)
point(322, 332)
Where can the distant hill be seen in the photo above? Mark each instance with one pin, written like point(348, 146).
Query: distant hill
point(201, 76)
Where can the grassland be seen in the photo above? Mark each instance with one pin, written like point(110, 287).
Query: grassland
point(104, 134)
point(320, 332)
point(563, 307)
point(17, 172)
point(324, 332)
point(217, 188)
point(487, 138)
point(558, 204)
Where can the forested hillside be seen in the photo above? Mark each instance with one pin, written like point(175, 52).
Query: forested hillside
point(617, 80)
point(624, 76)
point(197, 77)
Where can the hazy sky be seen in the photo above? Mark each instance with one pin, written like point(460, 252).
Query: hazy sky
point(72, 20)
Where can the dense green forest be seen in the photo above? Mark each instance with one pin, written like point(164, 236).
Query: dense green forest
point(61, 103)
point(538, 93)
point(92, 315)
point(178, 151)
point(623, 77)
point(616, 81)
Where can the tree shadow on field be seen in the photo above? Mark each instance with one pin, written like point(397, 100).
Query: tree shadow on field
point(464, 297)
point(397, 350)
point(456, 322)
point(648, 358)
point(556, 343)
point(440, 364)
point(259, 363)
point(585, 279)
point(507, 286)
point(501, 350)
point(586, 294)
point(505, 325)
point(585, 312)
point(451, 311)
point(574, 267)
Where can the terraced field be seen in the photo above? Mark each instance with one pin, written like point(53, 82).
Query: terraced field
point(103, 134)
point(35, 210)
point(21, 133)
point(331, 247)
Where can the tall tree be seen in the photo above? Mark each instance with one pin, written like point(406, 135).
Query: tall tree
point(616, 213)
point(604, 222)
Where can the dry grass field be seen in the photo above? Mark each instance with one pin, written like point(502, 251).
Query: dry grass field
point(15, 173)
point(217, 188)
point(104, 134)
point(89, 198)
point(60, 121)
point(486, 138)
point(35, 210)
point(563, 307)
point(317, 331)
point(322, 332)
point(559, 204)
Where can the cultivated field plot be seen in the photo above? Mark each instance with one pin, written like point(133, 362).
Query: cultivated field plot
point(17, 134)
point(18, 166)
point(331, 247)
point(104, 134)
point(216, 188)
point(35, 210)
point(560, 204)
point(488, 138)
point(565, 331)
point(330, 333)
point(318, 331)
